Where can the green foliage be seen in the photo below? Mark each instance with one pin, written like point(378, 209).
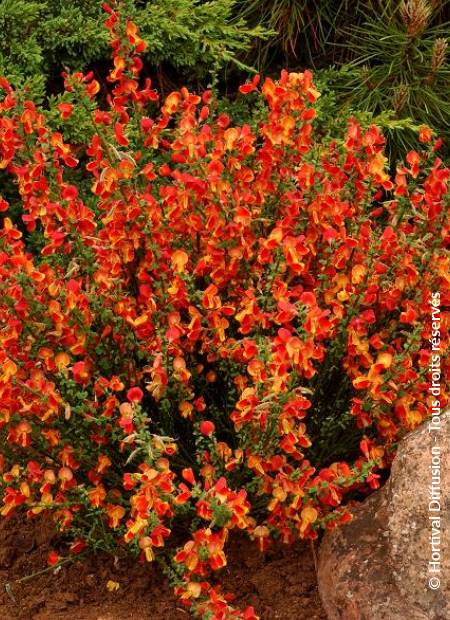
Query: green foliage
point(399, 63)
point(385, 59)
point(303, 28)
point(19, 44)
point(388, 59)
point(401, 133)
point(40, 39)
point(197, 35)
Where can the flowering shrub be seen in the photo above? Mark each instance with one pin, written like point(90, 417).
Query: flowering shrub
point(226, 328)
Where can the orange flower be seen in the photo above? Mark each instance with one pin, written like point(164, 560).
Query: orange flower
point(115, 514)
point(179, 260)
point(97, 495)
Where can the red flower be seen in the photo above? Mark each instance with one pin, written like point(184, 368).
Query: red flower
point(207, 427)
point(188, 475)
point(80, 372)
point(53, 558)
point(135, 395)
point(66, 110)
point(250, 86)
point(78, 546)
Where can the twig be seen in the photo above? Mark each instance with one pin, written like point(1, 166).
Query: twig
point(314, 554)
point(10, 593)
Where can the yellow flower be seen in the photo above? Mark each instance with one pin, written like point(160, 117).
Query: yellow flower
point(113, 586)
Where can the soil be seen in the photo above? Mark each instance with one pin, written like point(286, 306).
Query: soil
point(280, 584)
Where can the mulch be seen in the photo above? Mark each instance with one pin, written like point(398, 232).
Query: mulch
point(280, 584)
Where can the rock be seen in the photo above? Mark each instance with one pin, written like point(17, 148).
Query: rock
point(377, 566)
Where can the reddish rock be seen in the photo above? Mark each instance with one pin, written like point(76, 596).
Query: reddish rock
point(376, 567)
